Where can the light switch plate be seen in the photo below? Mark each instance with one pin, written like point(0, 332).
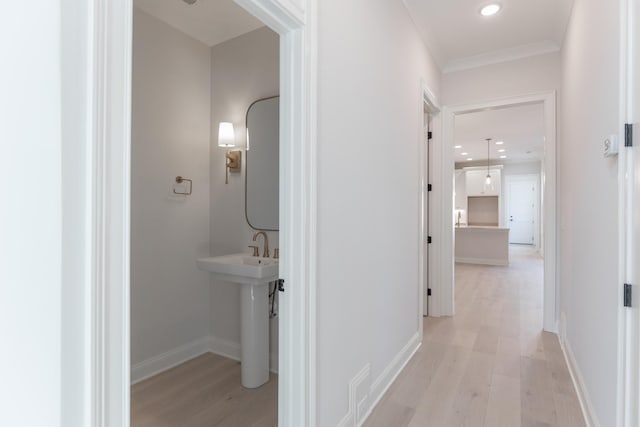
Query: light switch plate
point(611, 146)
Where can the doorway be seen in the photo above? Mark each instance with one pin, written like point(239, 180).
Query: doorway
point(428, 136)
point(445, 285)
point(175, 64)
point(426, 292)
point(110, 399)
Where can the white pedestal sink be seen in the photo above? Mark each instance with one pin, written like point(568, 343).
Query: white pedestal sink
point(253, 274)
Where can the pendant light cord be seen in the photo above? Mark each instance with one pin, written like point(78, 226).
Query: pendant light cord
point(488, 177)
point(488, 142)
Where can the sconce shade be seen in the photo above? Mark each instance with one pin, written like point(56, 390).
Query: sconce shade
point(226, 135)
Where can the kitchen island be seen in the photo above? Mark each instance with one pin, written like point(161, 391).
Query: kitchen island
point(482, 245)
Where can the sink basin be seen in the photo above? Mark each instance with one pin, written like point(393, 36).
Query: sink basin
point(258, 260)
point(241, 268)
point(253, 274)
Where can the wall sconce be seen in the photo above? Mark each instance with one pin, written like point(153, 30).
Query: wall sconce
point(226, 138)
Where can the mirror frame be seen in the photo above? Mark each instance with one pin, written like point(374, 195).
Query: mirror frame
point(246, 164)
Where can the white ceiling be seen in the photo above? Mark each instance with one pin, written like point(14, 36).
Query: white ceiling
point(459, 37)
point(521, 128)
point(455, 32)
point(210, 21)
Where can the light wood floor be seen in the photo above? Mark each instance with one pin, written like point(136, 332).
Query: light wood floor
point(490, 365)
point(204, 392)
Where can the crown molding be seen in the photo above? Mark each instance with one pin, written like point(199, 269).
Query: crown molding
point(503, 55)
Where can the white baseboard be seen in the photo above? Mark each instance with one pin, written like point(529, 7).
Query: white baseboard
point(588, 411)
point(482, 261)
point(390, 373)
point(225, 348)
point(167, 360)
point(363, 399)
point(357, 388)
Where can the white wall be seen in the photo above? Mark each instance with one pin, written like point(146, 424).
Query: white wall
point(370, 62)
point(588, 199)
point(170, 137)
point(524, 168)
point(534, 74)
point(31, 214)
point(243, 70)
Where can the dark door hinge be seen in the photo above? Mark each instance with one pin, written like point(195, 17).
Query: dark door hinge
point(428, 292)
point(429, 187)
point(429, 239)
point(628, 295)
point(429, 135)
point(281, 285)
point(628, 135)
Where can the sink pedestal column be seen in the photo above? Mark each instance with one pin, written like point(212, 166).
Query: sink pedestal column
point(254, 334)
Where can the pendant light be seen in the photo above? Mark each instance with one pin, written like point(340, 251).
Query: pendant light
point(488, 179)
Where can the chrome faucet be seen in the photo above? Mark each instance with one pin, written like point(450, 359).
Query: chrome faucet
point(265, 253)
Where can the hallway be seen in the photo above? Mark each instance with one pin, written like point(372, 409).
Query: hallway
point(490, 365)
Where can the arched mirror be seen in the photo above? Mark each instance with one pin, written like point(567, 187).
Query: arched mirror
point(262, 164)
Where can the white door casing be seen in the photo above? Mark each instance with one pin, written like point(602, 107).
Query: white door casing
point(430, 111)
point(629, 205)
point(443, 283)
point(425, 215)
point(110, 85)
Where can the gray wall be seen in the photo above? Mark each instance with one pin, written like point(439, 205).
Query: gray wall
point(170, 137)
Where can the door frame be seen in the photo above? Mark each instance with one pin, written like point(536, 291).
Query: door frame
point(428, 107)
point(629, 230)
point(508, 179)
point(443, 285)
point(109, 167)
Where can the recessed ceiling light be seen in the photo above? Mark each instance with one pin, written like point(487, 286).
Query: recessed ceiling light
point(464, 154)
point(499, 142)
point(490, 9)
point(502, 150)
point(503, 157)
point(469, 159)
point(458, 146)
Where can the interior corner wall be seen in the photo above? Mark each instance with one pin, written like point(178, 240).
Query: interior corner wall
point(170, 137)
point(370, 64)
point(243, 70)
point(588, 199)
point(507, 79)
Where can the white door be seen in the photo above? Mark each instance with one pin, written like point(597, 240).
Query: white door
point(521, 210)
